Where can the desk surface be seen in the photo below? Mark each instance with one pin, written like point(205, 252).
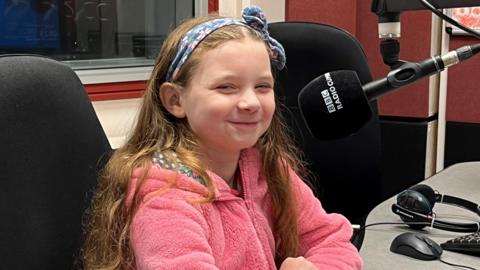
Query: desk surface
point(459, 180)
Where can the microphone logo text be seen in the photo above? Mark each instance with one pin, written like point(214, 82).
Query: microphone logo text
point(330, 96)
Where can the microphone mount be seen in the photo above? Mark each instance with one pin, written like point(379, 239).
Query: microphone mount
point(388, 12)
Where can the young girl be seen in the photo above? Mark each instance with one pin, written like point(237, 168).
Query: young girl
point(208, 178)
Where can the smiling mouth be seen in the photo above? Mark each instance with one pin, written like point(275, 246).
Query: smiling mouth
point(244, 124)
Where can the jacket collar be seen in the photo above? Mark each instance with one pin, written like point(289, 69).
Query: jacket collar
point(169, 169)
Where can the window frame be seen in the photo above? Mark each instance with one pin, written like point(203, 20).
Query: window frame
point(127, 74)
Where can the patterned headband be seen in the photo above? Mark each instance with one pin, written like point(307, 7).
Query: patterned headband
point(253, 17)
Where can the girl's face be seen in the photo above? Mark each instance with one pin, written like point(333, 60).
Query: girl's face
point(229, 102)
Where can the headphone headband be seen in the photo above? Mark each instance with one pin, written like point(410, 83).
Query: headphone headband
point(455, 201)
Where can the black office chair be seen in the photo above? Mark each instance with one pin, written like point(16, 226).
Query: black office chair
point(52, 147)
point(347, 170)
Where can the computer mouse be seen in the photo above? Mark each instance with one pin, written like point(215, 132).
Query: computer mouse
point(416, 245)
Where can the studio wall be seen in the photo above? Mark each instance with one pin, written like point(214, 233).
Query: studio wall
point(409, 116)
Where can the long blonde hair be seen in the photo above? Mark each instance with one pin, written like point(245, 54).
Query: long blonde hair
point(107, 244)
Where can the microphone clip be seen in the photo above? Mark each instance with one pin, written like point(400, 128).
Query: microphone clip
point(390, 49)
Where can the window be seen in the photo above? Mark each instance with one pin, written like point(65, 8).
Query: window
point(92, 34)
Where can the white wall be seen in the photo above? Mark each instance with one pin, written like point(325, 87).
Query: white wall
point(117, 118)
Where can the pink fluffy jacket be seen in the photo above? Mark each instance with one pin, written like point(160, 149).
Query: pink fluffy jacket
point(170, 230)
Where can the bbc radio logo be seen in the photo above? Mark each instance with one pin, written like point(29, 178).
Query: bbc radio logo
point(328, 101)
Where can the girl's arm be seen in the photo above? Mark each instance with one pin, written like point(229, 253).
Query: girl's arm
point(324, 238)
point(168, 233)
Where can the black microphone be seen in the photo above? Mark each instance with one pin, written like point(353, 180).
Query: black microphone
point(336, 104)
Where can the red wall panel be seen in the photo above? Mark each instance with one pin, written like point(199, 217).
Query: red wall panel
point(341, 13)
point(112, 91)
point(212, 6)
point(463, 94)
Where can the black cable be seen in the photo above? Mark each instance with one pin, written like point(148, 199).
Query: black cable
point(448, 19)
point(457, 265)
point(362, 228)
point(444, 226)
point(441, 226)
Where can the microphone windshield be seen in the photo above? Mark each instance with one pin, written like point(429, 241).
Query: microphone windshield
point(334, 105)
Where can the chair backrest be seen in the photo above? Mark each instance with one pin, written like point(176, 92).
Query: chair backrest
point(52, 147)
point(347, 170)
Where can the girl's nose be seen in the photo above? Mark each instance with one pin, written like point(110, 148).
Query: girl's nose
point(249, 101)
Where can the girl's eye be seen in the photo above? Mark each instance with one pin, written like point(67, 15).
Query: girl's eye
point(225, 87)
point(265, 87)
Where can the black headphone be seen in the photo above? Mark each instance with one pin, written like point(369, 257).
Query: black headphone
point(415, 205)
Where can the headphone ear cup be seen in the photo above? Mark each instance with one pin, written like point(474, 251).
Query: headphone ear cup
point(414, 201)
point(427, 192)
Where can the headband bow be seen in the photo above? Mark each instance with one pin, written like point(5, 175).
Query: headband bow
point(253, 17)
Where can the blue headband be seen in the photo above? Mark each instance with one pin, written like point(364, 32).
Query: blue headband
point(253, 17)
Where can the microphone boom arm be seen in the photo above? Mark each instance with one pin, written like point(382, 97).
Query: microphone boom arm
point(410, 72)
point(404, 75)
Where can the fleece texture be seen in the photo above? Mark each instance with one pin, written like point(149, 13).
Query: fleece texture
point(171, 230)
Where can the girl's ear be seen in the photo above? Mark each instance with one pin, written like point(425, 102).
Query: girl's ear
point(170, 96)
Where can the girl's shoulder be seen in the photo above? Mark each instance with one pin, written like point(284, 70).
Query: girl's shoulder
point(165, 167)
point(166, 176)
point(169, 161)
